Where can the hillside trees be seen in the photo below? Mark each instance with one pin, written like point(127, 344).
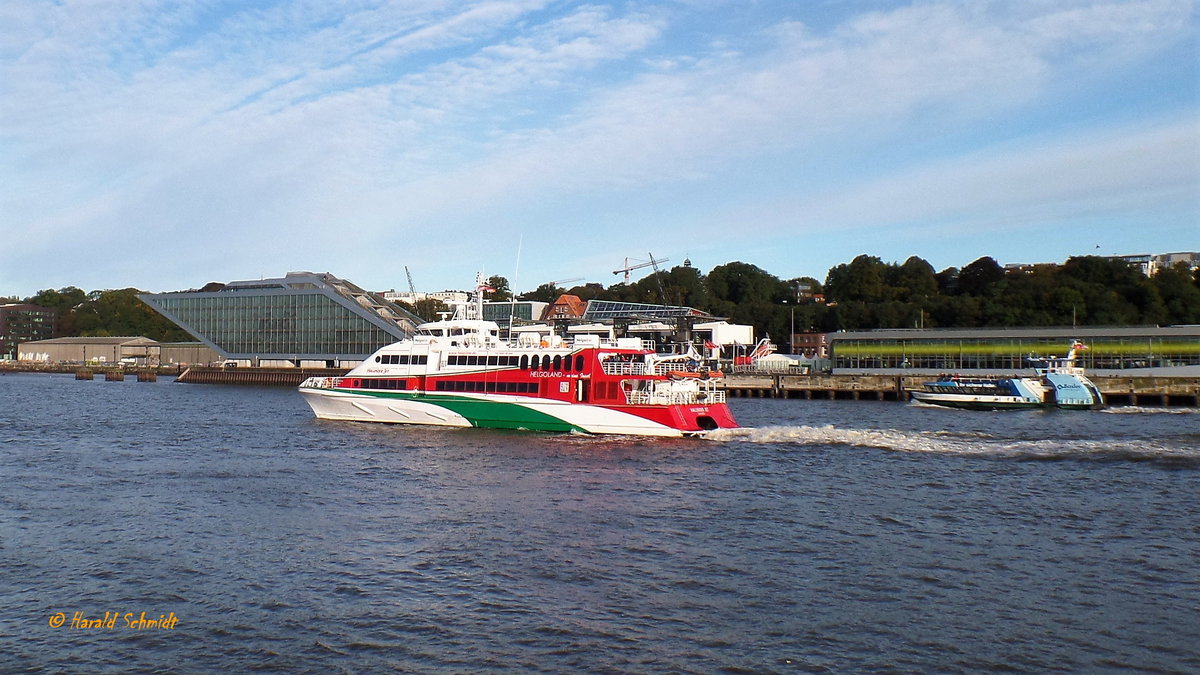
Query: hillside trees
point(747, 294)
point(548, 292)
point(110, 313)
point(868, 293)
point(500, 290)
point(1179, 290)
point(591, 291)
point(979, 278)
point(427, 308)
point(864, 294)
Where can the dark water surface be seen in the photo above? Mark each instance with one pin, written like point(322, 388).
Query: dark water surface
point(835, 536)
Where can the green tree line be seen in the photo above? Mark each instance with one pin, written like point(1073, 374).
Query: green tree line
point(111, 313)
point(864, 294)
point(867, 293)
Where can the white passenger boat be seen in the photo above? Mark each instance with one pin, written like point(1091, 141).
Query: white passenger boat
point(1056, 383)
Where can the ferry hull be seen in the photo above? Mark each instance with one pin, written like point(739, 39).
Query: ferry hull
point(515, 412)
point(996, 403)
point(976, 402)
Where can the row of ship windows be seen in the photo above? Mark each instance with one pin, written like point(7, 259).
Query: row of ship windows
point(546, 362)
point(402, 359)
point(999, 389)
point(559, 362)
point(491, 360)
point(489, 387)
point(384, 384)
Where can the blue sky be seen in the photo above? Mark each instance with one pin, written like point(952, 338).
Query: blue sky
point(163, 145)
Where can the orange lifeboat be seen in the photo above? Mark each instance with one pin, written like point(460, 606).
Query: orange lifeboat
point(694, 375)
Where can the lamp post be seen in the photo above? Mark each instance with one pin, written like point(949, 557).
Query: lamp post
point(792, 333)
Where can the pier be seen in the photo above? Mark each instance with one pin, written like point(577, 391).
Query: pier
point(278, 377)
point(1118, 391)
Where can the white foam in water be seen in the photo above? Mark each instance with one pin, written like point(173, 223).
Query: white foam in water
point(956, 444)
point(1140, 410)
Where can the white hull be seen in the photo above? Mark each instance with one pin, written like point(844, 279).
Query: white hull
point(518, 412)
point(975, 401)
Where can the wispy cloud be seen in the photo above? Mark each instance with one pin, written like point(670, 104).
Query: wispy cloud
point(381, 123)
point(1022, 185)
point(878, 72)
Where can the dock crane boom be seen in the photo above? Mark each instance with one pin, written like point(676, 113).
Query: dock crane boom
point(640, 264)
point(662, 292)
point(410, 283)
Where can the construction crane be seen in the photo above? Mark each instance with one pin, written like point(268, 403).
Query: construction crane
point(640, 264)
point(662, 293)
point(564, 281)
point(410, 283)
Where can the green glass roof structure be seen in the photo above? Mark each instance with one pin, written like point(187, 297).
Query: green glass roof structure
point(607, 310)
point(301, 316)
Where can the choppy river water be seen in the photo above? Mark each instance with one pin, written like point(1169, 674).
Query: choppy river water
point(828, 536)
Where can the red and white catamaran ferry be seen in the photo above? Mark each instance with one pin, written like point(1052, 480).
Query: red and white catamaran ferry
point(458, 372)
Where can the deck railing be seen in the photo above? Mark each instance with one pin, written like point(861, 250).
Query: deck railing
point(614, 367)
point(675, 397)
point(320, 383)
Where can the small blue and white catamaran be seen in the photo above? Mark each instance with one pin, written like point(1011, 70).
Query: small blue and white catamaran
point(1056, 383)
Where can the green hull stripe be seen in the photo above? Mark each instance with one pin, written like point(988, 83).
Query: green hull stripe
point(484, 413)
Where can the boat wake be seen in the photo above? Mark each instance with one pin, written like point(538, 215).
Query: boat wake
point(969, 444)
point(1142, 410)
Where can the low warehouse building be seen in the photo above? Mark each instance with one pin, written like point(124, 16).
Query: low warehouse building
point(113, 350)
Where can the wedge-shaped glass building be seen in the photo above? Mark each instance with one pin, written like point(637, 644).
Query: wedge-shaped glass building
point(300, 317)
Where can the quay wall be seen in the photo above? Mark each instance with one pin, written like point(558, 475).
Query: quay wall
point(101, 368)
point(1118, 391)
point(281, 377)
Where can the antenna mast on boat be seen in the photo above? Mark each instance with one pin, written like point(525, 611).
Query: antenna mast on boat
point(512, 295)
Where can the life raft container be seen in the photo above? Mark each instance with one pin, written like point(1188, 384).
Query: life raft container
point(694, 375)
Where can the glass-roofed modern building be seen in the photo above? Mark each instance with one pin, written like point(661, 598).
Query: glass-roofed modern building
point(302, 318)
point(610, 310)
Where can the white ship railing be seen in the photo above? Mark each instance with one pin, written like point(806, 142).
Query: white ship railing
point(615, 367)
point(675, 397)
point(624, 368)
point(613, 343)
point(319, 383)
